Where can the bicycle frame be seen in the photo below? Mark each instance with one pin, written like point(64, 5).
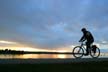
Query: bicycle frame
point(82, 45)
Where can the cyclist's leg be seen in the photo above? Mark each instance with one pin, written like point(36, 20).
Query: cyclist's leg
point(88, 46)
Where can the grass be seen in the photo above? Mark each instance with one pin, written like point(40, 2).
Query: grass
point(70, 67)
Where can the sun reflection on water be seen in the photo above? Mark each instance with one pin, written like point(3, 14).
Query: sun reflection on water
point(35, 56)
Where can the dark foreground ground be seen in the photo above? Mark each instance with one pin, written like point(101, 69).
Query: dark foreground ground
point(89, 66)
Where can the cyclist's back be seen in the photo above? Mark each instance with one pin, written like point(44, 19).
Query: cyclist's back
point(88, 36)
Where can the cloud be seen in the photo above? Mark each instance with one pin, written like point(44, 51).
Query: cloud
point(52, 23)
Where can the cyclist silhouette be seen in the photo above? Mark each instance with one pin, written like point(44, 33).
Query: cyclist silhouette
point(88, 37)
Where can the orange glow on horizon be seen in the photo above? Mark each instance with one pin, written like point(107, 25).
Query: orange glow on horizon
point(33, 49)
point(24, 49)
point(61, 51)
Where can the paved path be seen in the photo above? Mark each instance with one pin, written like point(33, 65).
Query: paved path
point(50, 61)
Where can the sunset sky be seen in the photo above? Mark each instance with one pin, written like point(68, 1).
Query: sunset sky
point(51, 24)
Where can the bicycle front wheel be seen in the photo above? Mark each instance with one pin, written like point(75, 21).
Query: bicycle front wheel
point(95, 53)
point(78, 52)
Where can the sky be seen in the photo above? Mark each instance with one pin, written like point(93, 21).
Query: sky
point(52, 24)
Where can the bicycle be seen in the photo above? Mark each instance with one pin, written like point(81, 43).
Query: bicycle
point(79, 51)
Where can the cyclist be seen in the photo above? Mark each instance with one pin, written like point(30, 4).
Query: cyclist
point(88, 37)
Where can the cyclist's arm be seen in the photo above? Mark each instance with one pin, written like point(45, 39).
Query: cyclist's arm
point(82, 39)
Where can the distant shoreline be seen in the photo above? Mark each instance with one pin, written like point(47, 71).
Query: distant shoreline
point(6, 51)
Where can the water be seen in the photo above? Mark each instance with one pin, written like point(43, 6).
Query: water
point(38, 56)
point(34, 56)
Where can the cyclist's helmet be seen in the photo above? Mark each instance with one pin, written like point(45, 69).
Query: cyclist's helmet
point(83, 29)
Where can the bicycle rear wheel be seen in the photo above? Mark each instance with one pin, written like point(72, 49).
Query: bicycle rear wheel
point(78, 52)
point(95, 53)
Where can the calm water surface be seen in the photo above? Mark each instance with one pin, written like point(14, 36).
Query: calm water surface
point(37, 56)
